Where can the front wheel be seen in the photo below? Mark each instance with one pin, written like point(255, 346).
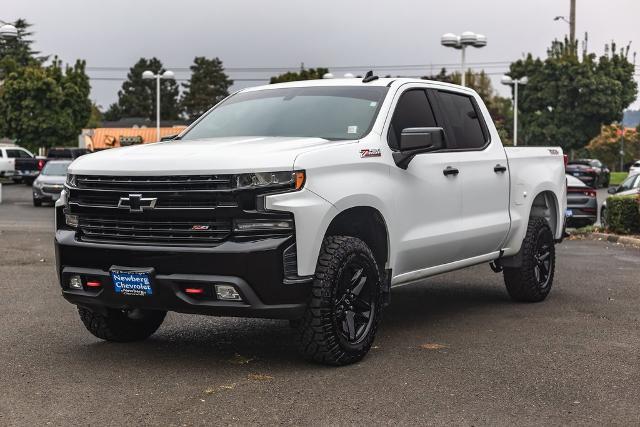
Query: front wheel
point(531, 282)
point(341, 319)
point(121, 325)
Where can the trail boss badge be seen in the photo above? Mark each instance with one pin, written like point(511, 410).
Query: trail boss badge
point(370, 152)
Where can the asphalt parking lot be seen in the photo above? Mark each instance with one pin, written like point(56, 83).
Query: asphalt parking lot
point(452, 350)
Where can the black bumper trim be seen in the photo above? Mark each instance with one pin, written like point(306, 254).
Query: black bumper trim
point(169, 296)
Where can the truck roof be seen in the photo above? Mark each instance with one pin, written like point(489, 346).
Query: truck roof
point(387, 81)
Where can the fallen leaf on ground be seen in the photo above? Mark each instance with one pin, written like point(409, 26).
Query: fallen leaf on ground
point(259, 377)
point(213, 390)
point(432, 346)
point(239, 359)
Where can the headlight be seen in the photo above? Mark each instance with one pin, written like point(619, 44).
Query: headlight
point(37, 184)
point(71, 180)
point(294, 180)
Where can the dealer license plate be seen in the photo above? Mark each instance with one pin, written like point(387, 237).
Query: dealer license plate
point(132, 283)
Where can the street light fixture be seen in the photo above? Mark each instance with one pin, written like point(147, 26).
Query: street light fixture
point(167, 75)
point(506, 80)
point(8, 31)
point(461, 42)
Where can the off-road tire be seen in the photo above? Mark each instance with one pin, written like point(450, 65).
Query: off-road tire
point(319, 338)
point(522, 284)
point(118, 326)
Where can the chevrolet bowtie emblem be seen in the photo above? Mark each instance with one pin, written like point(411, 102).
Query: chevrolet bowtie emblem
point(137, 203)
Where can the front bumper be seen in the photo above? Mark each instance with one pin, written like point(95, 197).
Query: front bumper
point(255, 269)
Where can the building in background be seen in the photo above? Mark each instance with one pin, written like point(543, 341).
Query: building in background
point(126, 132)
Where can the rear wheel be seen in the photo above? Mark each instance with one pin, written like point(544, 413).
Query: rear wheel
point(120, 325)
point(531, 282)
point(340, 323)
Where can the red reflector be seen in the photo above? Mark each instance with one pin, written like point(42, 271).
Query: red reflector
point(566, 160)
point(40, 164)
point(194, 291)
point(93, 284)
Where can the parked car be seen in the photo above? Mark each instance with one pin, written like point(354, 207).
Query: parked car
point(20, 164)
point(307, 201)
point(582, 203)
point(590, 171)
point(66, 152)
point(629, 186)
point(635, 168)
point(50, 183)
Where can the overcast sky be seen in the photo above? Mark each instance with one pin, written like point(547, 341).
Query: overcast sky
point(284, 33)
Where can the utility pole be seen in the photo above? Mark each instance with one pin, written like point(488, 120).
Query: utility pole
point(572, 22)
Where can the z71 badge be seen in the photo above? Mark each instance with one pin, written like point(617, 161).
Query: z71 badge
point(370, 152)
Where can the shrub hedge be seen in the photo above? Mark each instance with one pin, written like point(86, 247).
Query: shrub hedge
point(623, 214)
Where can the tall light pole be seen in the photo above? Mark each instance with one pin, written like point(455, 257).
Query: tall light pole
point(167, 75)
point(7, 31)
point(506, 80)
point(571, 21)
point(461, 42)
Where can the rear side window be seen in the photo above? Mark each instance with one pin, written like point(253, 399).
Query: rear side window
point(412, 111)
point(17, 154)
point(462, 120)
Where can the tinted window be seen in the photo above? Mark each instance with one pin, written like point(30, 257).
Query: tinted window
point(412, 111)
point(627, 184)
point(17, 154)
point(463, 120)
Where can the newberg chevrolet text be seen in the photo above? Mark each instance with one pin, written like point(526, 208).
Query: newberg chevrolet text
point(307, 201)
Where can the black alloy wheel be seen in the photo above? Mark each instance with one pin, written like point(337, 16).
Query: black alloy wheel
point(355, 304)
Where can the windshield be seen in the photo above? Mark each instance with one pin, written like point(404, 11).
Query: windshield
point(337, 112)
point(56, 169)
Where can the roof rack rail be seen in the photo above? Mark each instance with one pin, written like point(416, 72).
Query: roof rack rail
point(369, 77)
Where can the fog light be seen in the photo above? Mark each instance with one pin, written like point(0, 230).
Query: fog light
point(75, 282)
point(228, 293)
point(71, 220)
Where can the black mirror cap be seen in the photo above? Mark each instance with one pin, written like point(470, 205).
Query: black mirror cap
point(415, 141)
point(421, 138)
point(612, 190)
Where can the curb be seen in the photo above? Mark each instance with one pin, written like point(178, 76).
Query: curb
point(613, 238)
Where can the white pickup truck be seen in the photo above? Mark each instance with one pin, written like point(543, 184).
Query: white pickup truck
point(307, 201)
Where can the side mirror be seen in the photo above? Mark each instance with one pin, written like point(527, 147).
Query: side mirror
point(612, 190)
point(415, 141)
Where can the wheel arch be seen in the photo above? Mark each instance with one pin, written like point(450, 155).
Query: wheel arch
point(366, 223)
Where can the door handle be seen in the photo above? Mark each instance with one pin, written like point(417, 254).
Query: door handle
point(450, 171)
point(499, 168)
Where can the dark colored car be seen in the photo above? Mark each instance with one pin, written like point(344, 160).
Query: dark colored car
point(590, 171)
point(66, 153)
point(582, 203)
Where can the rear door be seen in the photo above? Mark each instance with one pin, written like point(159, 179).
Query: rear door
point(484, 174)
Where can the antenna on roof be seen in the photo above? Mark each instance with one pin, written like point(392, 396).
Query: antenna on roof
point(369, 77)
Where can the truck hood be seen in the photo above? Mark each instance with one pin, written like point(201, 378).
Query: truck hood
point(199, 157)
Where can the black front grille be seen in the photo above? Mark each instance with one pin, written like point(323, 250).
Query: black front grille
point(155, 183)
point(154, 232)
point(52, 190)
point(178, 210)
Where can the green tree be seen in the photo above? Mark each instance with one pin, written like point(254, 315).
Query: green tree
point(95, 118)
point(499, 107)
point(303, 74)
point(18, 52)
point(570, 96)
point(207, 86)
point(607, 144)
point(137, 98)
point(45, 106)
